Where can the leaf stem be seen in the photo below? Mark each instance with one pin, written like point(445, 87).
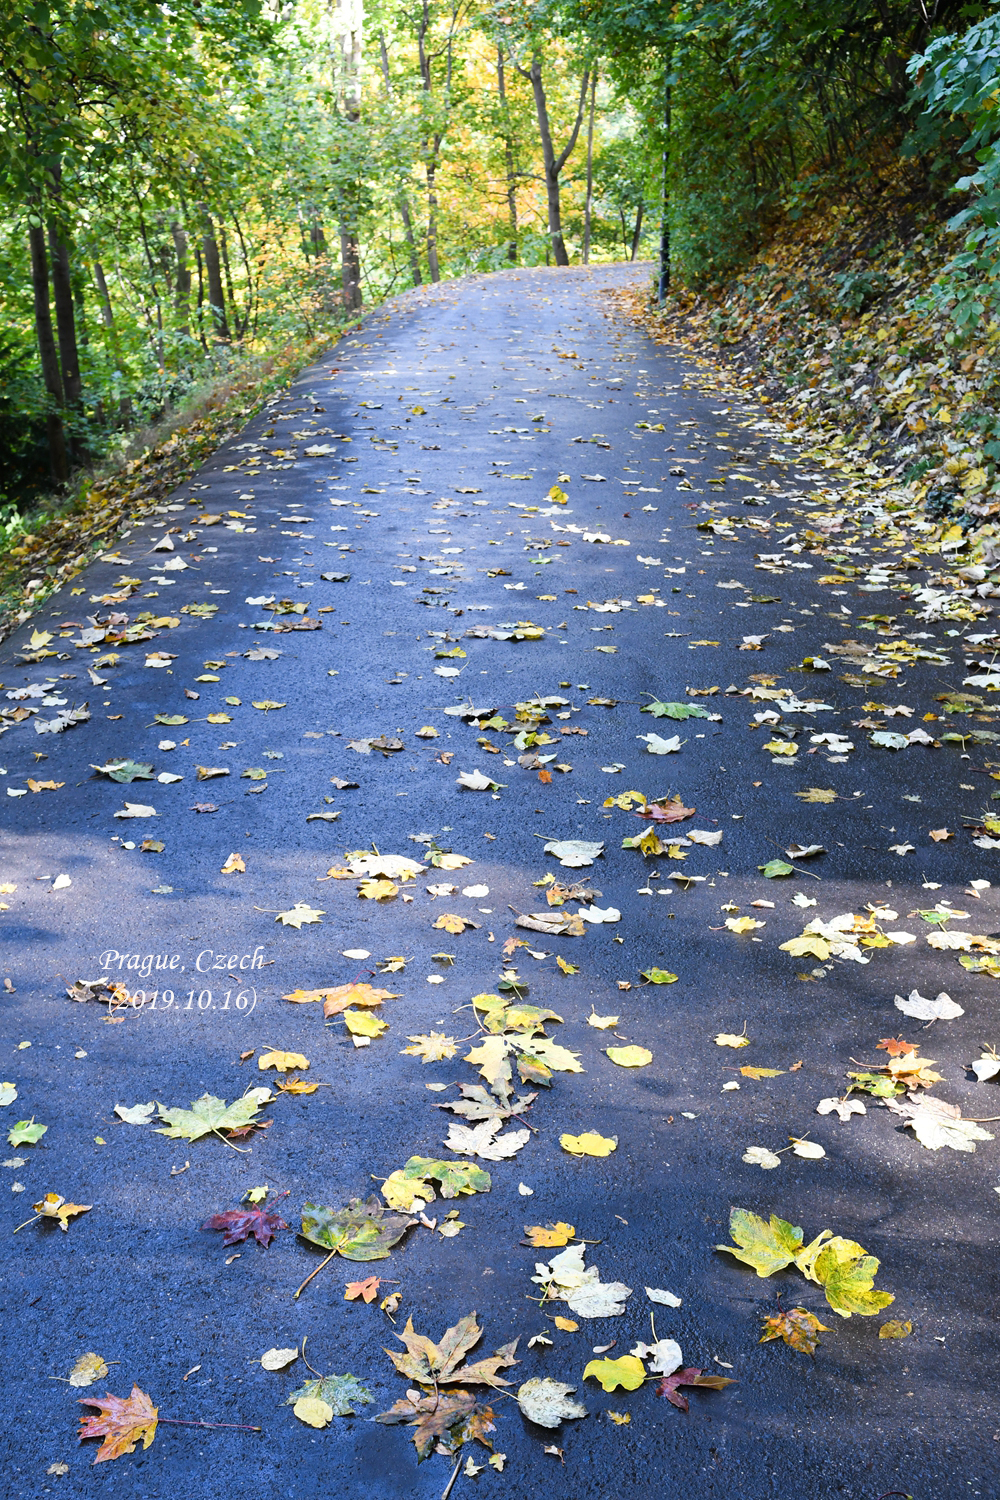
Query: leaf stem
point(184, 1422)
point(26, 1223)
point(243, 1151)
point(454, 1475)
point(313, 1273)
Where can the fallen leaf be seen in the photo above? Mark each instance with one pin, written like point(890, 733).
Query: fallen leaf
point(284, 1062)
point(817, 794)
point(339, 1394)
point(798, 1328)
point(88, 1368)
point(588, 1144)
point(279, 1359)
point(361, 1231)
point(750, 1071)
point(545, 1402)
point(235, 865)
point(239, 1223)
point(122, 1422)
point(627, 1372)
point(209, 1115)
point(668, 1386)
point(630, 1057)
point(602, 1023)
point(298, 914)
point(433, 1047)
point(54, 1207)
point(729, 1039)
point(138, 1114)
point(760, 1156)
point(896, 1328)
point(367, 1289)
point(663, 1357)
point(549, 1236)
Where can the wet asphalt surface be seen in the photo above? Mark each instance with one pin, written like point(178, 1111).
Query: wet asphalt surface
point(489, 362)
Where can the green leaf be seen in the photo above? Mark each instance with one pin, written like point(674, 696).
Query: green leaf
point(776, 867)
point(172, 720)
point(342, 1392)
point(768, 1247)
point(849, 1280)
point(125, 770)
point(26, 1133)
point(627, 1372)
point(659, 976)
point(414, 1179)
point(209, 1114)
point(674, 711)
point(361, 1231)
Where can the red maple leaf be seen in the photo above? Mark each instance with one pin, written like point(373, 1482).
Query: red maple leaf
point(238, 1223)
point(665, 812)
point(691, 1376)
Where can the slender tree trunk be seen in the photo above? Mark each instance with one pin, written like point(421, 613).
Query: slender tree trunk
point(402, 201)
point(201, 295)
point(508, 149)
point(224, 248)
point(589, 205)
point(638, 230)
point(108, 319)
point(433, 264)
point(554, 164)
point(348, 86)
point(213, 275)
point(182, 278)
point(48, 355)
point(62, 288)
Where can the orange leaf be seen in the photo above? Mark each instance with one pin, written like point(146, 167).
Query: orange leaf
point(339, 996)
point(545, 776)
point(368, 1289)
point(122, 1422)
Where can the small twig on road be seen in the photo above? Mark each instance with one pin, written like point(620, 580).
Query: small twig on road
point(314, 1273)
point(454, 1475)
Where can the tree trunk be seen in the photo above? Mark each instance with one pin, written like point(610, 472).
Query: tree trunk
point(402, 201)
point(554, 164)
point(638, 230)
point(433, 264)
point(213, 275)
point(182, 278)
point(224, 248)
point(589, 206)
point(348, 87)
point(108, 319)
point(508, 148)
point(48, 355)
point(62, 288)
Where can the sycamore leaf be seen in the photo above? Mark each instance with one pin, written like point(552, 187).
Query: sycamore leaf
point(549, 1236)
point(627, 1372)
point(361, 1231)
point(442, 1420)
point(588, 1144)
point(668, 1386)
point(411, 1183)
point(799, 1329)
point(768, 1247)
point(483, 1140)
point(340, 1393)
point(238, 1223)
point(630, 1057)
point(432, 1047)
point(209, 1114)
point(442, 1363)
point(545, 1402)
point(284, 1062)
point(123, 1422)
point(298, 914)
point(849, 1280)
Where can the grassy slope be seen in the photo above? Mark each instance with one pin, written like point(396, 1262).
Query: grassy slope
point(828, 313)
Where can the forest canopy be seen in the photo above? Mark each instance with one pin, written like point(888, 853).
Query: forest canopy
point(189, 185)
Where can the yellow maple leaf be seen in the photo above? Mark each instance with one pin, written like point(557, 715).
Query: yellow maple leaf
point(549, 1236)
point(743, 924)
point(448, 922)
point(284, 1062)
point(588, 1144)
point(378, 890)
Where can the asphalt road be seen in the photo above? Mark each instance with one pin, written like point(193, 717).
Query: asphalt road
point(463, 407)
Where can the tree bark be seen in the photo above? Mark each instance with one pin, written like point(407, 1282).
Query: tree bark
point(213, 275)
point(48, 355)
point(589, 206)
point(108, 319)
point(554, 164)
point(182, 278)
point(508, 147)
point(62, 288)
point(638, 230)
